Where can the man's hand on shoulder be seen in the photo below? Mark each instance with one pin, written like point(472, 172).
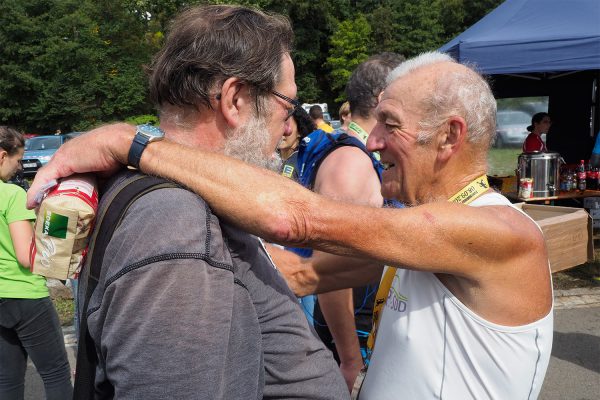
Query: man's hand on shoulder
point(101, 150)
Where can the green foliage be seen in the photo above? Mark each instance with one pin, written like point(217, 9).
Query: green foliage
point(313, 23)
point(143, 120)
point(350, 44)
point(70, 64)
point(74, 64)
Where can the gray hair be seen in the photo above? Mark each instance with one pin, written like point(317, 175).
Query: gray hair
point(464, 93)
point(208, 44)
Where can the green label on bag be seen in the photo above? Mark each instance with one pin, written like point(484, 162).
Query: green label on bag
point(55, 225)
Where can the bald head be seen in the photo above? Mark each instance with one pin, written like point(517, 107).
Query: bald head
point(446, 88)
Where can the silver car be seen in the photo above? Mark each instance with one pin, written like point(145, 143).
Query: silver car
point(511, 128)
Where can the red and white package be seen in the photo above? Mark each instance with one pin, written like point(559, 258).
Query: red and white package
point(64, 223)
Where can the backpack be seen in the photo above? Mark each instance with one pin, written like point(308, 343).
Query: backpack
point(127, 192)
point(316, 146)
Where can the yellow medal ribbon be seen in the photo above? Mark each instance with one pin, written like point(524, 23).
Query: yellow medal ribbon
point(472, 191)
point(465, 196)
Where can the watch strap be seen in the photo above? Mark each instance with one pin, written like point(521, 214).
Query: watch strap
point(135, 151)
point(144, 134)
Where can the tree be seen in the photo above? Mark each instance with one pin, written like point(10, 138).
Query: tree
point(350, 44)
point(70, 64)
point(313, 23)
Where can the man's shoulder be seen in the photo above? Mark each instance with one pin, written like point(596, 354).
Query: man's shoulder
point(168, 194)
point(162, 216)
point(167, 225)
point(348, 157)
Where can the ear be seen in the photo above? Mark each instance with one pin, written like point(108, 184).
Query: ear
point(234, 102)
point(3, 155)
point(453, 137)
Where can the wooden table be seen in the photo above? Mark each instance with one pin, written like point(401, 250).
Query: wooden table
point(575, 194)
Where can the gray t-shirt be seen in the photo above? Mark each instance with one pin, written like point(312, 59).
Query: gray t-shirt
point(188, 307)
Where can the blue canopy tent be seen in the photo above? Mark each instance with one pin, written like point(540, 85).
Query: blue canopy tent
point(543, 48)
point(525, 36)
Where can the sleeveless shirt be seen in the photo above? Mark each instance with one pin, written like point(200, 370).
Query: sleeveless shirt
point(430, 345)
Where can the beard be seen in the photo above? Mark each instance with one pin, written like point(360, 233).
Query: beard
point(251, 143)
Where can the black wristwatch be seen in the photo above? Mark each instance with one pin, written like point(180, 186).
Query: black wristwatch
point(144, 134)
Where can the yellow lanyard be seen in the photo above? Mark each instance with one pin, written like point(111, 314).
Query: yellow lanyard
point(466, 195)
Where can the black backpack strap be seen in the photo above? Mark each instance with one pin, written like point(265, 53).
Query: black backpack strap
point(119, 202)
point(342, 140)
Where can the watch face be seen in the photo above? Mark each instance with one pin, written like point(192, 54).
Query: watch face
point(152, 132)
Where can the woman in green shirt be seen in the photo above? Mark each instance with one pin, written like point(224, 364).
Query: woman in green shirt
point(29, 324)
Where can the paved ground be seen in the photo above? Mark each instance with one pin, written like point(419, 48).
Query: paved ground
point(576, 298)
point(574, 370)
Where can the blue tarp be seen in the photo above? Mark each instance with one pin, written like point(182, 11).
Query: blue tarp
point(526, 36)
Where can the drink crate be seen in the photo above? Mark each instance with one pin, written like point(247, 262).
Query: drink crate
point(568, 233)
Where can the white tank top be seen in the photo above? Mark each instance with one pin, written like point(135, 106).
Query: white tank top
point(431, 346)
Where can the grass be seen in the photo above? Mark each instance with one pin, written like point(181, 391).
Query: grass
point(65, 310)
point(503, 162)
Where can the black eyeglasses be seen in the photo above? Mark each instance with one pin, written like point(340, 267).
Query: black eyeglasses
point(293, 102)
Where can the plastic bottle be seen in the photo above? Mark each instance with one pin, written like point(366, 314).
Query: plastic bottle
point(592, 179)
point(581, 176)
point(595, 174)
point(567, 183)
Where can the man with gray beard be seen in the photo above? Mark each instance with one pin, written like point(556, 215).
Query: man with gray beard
point(187, 306)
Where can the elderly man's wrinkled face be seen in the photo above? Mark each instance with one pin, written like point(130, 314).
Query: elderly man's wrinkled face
point(408, 165)
point(256, 141)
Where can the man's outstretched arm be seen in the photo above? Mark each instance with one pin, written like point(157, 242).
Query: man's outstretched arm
point(432, 238)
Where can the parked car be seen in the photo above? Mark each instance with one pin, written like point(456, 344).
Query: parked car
point(40, 149)
point(511, 128)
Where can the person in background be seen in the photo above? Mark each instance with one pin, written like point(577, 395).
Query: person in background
point(345, 116)
point(29, 324)
point(540, 123)
point(363, 90)
point(301, 125)
point(316, 113)
point(342, 318)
